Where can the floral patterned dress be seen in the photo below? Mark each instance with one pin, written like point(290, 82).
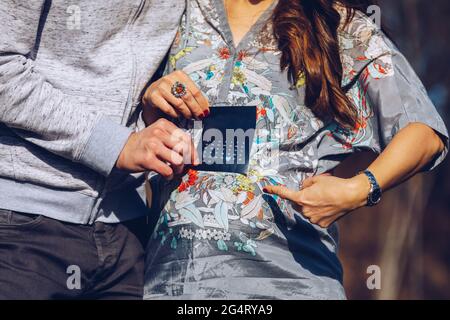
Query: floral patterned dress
point(218, 235)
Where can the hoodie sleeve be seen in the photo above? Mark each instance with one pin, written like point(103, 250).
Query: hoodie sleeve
point(40, 113)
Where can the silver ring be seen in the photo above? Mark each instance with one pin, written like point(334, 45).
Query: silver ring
point(179, 89)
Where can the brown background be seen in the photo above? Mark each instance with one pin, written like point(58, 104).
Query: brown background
point(408, 235)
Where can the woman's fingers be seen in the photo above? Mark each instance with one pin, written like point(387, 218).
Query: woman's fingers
point(179, 104)
point(193, 99)
point(192, 104)
point(195, 94)
point(315, 215)
point(160, 102)
point(306, 212)
point(282, 192)
point(308, 182)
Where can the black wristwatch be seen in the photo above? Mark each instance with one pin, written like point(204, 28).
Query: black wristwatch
point(375, 193)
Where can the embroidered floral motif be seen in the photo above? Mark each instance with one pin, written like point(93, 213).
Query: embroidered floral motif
point(224, 53)
point(192, 177)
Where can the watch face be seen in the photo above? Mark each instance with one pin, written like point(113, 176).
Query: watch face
point(375, 197)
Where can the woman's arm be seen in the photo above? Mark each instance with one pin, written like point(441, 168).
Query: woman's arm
point(325, 199)
point(410, 151)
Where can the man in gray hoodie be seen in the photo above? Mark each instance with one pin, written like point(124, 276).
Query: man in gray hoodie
point(72, 73)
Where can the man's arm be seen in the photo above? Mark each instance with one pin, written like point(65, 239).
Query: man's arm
point(44, 115)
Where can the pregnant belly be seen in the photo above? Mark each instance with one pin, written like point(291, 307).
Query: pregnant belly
point(222, 226)
point(229, 209)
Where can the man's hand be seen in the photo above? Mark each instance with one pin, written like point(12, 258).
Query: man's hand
point(162, 147)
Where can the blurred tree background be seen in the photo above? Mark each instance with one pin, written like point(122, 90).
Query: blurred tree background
point(408, 235)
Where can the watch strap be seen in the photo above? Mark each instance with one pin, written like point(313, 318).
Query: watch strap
point(375, 189)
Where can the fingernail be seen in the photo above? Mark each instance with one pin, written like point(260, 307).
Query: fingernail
point(206, 113)
point(265, 190)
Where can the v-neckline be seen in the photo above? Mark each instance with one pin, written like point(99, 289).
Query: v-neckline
point(251, 33)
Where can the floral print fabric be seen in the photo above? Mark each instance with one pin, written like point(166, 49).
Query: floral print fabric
point(218, 235)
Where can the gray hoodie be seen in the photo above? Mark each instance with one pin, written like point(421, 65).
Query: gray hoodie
point(71, 77)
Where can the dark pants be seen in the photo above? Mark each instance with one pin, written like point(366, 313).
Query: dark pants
point(42, 258)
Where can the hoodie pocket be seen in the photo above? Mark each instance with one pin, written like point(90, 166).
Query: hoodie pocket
point(32, 164)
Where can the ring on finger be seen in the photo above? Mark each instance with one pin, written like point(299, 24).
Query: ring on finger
point(179, 89)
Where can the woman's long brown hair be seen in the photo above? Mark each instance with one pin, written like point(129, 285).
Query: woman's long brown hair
point(307, 34)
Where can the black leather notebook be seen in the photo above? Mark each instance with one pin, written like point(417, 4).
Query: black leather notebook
point(224, 139)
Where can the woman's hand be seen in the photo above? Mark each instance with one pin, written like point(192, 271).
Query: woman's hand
point(325, 199)
point(159, 98)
